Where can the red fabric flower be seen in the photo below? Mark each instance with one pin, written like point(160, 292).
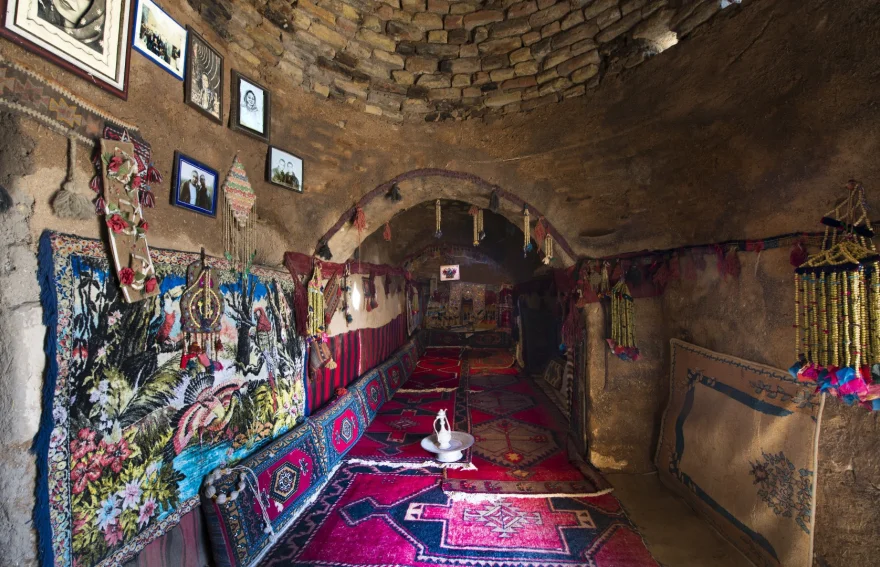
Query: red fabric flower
point(136, 182)
point(150, 285)
point(144, 226)
point(83, 444)
point(114, 455)
point(117, 224)
point(126, 276)
point(115, 164)
point(85, 473)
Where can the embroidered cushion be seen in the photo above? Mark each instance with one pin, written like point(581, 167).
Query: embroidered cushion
point(393, 376)
point(372, 392)
point(339, 425)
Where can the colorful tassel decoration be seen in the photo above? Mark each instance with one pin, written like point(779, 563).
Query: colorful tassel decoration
point(97, 184)
point(837, 306)
point(386, 234)
point(540, 233)
point(146, 198)
point(437, 232)
point(153, 175)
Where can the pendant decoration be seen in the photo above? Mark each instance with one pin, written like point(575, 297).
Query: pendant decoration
point(316, 303)
point(437, 232)
point(239, 220)
point(201, 309)
point(837, 307)
point(120, 173)
point(623, 336)
point(527, 232)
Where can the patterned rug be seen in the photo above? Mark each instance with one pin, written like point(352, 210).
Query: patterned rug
point(130, 428)
point(739, 442)
point(368, 516)
point(435, 372)
point(520, 444)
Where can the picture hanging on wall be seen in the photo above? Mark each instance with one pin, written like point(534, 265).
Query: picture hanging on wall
point(251, 107)
point(87, 37)
point(203, 83)
point(194, 186)
point(284, 169)
point(158, 37)
point(449, 273)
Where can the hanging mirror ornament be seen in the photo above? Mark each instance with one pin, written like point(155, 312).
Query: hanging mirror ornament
point(837, 307)
point(201, 309)
point(437, 232)
point(623, 336)
point(239, 223)
point(121, 178)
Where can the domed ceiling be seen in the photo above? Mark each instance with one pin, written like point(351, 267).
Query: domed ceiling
point(452, 59)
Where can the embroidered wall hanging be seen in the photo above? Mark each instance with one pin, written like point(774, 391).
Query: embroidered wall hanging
point(127, 434)
point(120, 172)
point(332, 295)
point(239, 222)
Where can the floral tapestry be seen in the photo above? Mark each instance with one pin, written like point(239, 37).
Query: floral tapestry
point(136, 412)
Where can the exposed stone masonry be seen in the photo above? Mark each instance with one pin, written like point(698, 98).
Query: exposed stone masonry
point(443, 59)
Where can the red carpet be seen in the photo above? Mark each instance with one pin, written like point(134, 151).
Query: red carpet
point(367, 516)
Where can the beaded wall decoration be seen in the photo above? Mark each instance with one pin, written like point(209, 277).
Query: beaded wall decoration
point(239, 223)
point(201, 310)
point(437, 232)
point(623, 324)
point(316, 303)
point(126, 225)
point(837, 307)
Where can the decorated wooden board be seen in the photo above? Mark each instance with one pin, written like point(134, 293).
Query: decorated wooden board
point(126, 225)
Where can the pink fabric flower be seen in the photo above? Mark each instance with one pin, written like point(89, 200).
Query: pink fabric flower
point(114, 455)
point(150, 285)
point(126, 276)
point(136, 182)
point(144, 226)
point(115, 164)
point(113, 534)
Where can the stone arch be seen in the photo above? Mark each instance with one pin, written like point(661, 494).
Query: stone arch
point(421, 185)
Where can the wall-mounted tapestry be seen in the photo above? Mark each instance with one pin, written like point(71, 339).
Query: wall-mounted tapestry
point(133, 423)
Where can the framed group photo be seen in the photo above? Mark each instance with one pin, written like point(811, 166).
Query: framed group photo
point(158, 37)
point(194, 186)
point(284, 169)
point(251, 107)
point(90, 38)
point(203, 81)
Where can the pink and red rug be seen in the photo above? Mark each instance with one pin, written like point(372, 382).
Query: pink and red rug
point(368, 516)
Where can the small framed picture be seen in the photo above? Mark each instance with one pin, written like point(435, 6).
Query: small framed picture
point(88, 38)
point(450, 273)
point(203, 82)
point(159, 37)
point(194, 186)
point(284, 169)
point(251, 107)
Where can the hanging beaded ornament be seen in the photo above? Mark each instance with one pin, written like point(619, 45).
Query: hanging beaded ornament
point(479, 233)
point(201, 308)
point(239, 223)
point(316, 303)
point(437, 232)
point(623, 335)
point(527, 232)
point(837, 307)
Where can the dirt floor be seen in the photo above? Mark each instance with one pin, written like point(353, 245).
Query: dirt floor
point(675, 535)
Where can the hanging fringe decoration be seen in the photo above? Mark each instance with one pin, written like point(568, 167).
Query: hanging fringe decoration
point(527, 232)
point(386, 234)
point(393, 194)
point(494, 204)
point(360, 220)
point(837, 307)
point(68, 204)
point(239, 222)
point(437, 232)
point(316, 302)
point(548, 249)
point(623, 336)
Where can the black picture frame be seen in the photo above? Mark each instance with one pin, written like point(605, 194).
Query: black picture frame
point(272, 157)
point(184, 166)
point(39, 42)
point(235, 115)
point(210, 65)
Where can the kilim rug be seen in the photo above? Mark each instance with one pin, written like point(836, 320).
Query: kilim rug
point(739, 442)
point(370, 517)
point(130, 428)
point(520, 445)
point(435, 372)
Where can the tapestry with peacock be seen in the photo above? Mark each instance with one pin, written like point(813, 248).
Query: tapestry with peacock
point(137, 412)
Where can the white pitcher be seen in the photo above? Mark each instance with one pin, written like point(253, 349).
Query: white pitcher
point(442, 430)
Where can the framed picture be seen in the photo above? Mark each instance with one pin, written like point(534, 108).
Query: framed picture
point(449, 273)
point(194, 186)
point(284, 169)
point(251, 107)
point(203, 83)
point(87, 37)
point(159, 38)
